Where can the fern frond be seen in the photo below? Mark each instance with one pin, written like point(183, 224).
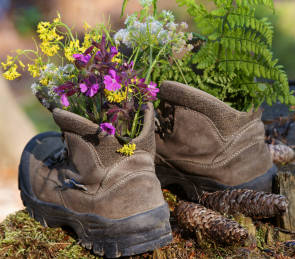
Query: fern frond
point(267, 3)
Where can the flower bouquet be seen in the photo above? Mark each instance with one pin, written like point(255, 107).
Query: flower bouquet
point(96, 81)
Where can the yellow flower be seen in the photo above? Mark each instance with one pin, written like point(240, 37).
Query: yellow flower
point(57, 19)
point(44, 81)
point(127, 149)
point(11, 73)
point(9, 62)
point(116, 58)
point(86, 26)
point(34, 70)
point(88, 38)
point(73, 48)
point(115, 96)
point(49, 48)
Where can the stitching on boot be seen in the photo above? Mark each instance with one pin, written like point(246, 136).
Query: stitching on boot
point(225, 139)
point(238, 137)
point(101, 193)
point(221, 163)
point(97, 161)
point(116, 165)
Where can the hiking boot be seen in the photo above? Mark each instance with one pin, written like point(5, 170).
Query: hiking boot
point(114, 203)
point(205, 145)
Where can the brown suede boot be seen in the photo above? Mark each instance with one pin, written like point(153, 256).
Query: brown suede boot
point(114, 203)
point(203, 144)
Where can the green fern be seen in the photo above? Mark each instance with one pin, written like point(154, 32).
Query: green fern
point(236, 61)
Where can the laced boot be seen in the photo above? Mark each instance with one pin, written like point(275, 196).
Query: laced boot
point(114, 203)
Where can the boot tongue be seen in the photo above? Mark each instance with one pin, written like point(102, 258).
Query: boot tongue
point(219, 112)
point(71, 122)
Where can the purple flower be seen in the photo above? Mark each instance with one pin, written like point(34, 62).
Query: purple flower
point(152, 89)
point(82, 59)
point(64, 100)
point(108, 128)
point(64, 91)
point(112, 81)
point(89, 89)
point(113, 51)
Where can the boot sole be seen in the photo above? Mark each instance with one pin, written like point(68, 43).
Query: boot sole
point(193, 185)
point(106, 237)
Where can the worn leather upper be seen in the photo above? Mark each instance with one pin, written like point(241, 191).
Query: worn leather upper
point(106, 183)
point(211, 139)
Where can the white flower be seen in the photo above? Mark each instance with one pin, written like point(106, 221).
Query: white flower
point(163, 37)
point(190, 36)
point(130, 19)
point(155, 27)
point(118, 37)
point(145, 3)
point(171, 26)
point(69, 68)
point(35, 88)
point(168, 15)
point(184, 25)
point(189, 47)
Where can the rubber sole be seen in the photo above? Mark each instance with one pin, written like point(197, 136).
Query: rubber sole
point(194, 185)
point(111, 238)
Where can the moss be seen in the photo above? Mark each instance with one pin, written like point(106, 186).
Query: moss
point(22, 237)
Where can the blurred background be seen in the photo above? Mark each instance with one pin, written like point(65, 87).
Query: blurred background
point(21, 115)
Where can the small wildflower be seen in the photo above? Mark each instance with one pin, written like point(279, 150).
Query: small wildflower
point(35, 88)
point(145, 3)
point(64, 100)
point(89, 89)
point(86, 26)
point(168, 15)
point(71, 49)
point(64, 91)
point(108, 128)
point(44, 81)
point(115, 96)
point(82, 59)
point(127, 149)
point(152, 89)
point(9, 62)
point(184, 25)
point(112, 81)
point(190, 36)
point(49, 49)
point(57, 19)
point(11, 73)
point(34, 70)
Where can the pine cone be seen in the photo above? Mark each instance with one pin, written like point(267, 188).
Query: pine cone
point(209, 223)
point(248, 202)
point(281, 154)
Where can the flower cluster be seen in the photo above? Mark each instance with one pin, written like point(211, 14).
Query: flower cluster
point(157, 31)
point(97, 81)
point(109, 85)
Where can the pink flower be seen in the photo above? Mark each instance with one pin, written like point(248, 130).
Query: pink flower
point(89, 89)
point(64, 100)
point(108, 128)
point(112, 81)
point(152, 89)
point(82, 59)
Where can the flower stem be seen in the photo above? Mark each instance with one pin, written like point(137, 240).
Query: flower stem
point(147, 78)
point(135, 120)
